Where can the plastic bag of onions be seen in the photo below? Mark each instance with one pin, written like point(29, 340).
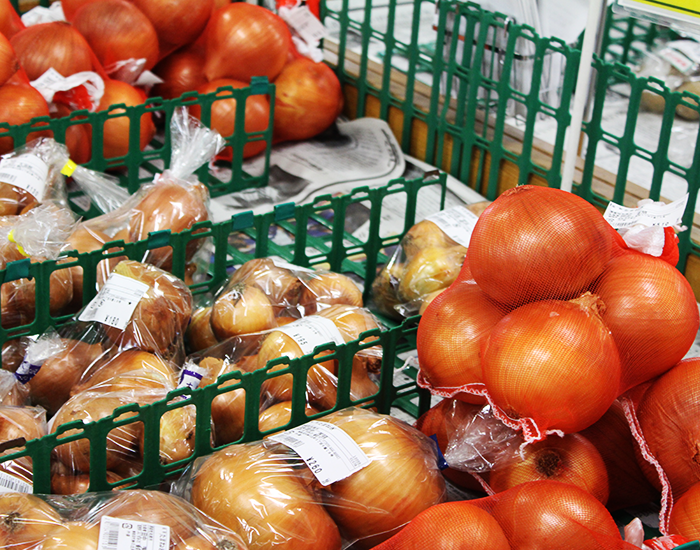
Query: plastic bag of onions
point(268, 494)
point(39, 234)
point(427, 261)
point(18, 425)
point(544, 267)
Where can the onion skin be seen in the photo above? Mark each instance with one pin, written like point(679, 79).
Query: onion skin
point(25, 520)
point(116, 130)
point(535, 243)
point(10, 22)
point(117, 31)
point(73, 535)
point(20, 104)
point(450, 335)
point(401, 481)
point(181, 72)
point(553, 361)
point(462, 527)
point(279, 415)
point(255, 37)
point(321, 290)
point(71, 7)
point(308, 99)
point(651, 312)
point(199, 334)
point(685, 516)
point(8, 60)
point(668, 414)
point(255, 493)
point(279, 284)
point(241, 309)
point(56, 45)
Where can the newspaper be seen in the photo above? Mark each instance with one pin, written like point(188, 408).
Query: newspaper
point(363, 152)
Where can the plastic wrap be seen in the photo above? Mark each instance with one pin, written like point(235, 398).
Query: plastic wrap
point(427, 261)
point(18, 425)
point(269, 495)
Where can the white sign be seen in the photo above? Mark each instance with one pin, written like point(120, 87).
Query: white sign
point(650, 214)
point(123, 534)
point(457, 223)
point(309, 332)
point(115, 302)
point(12, 484)
point(329, 452)
point(27, 172)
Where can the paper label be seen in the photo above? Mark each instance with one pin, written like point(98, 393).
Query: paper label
point(682, 11)
point(27, 172)
point(39, 14)
point(279, 262)
point(678, 59)
point(120, 534)
point(656, 214)
point(115, 302)
point(304, 23)
point(12, 484)
point(312, 331)
point(329, 452)
point(689, 48)
point(457, 223)
point(26, 371)
point(52, 81)
point(191, 376)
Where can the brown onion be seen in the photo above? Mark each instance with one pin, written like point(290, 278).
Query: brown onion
point(200, 335)
point(323, 289)
point(71, 7)
point(685, 516)
point(117, 31)
point(279, 284)
point(255, 37)
point(73, 535)
point(8, 60)
point(177, 433)
point(429, 270)
point(652, 313)
point(535, 243)
point(56, 45)
point(425, 234)
point(241, 309)
point(78, 137)
point(181, 71)
point(116, 130)
point(20, 104)
point(553, 361)
point(10, 22)
point(25, 520)
point(278, 416)
point(66, 482)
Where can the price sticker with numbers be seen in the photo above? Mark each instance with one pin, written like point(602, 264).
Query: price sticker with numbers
point(309, 332)
point(115, 302)
point(27, 172)
point(121, 534)
point(329, 452)
point(457, 223)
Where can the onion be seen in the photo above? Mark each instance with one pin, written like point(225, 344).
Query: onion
point(8, 60)
point(177, 433)
point(117, 31)
point(223, 112)
point(177, 22)
point(181, 72)
point(66, 482)
point(400, 482)
point(25, 520)
point(323, 289)
point(668, 414)
point(10, 22)
point(426, 234)
point(553, 361)
point(211, 542)
point(169, 205)
point(429, 270)
point(115, 136)
point(385, 289)
point(56, 45)
point(259, 495)
point(78, 136)
point(308, 98)
point(612, 437)
point(51, 386)
point(73, 535)
point(461, 526)
point(685, 516)
point(450, 334)
point(549, 514)
point(279, 284)
point(20, 423)
point(651, 312)
point(278, 416)
point(199, 334)
point(20, 104)
point(255, 37)
point(570, 459)
point(241, 309)
point(71, 7)
point(534, 243)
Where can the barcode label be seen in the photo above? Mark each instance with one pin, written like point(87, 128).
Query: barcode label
point(649, 215)
point(115, 302)
point(27, 172)
point(329, 452)
point(12, 484)
point(457, 223)
point(309, 332)
point(120, 534)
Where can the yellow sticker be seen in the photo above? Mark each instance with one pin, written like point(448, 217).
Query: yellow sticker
point(690, 8)
point(69, 168)
point(11, 238)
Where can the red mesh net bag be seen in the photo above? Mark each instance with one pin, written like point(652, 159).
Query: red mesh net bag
point(542, 514)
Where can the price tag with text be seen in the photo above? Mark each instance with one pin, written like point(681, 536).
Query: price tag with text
point(115, 302)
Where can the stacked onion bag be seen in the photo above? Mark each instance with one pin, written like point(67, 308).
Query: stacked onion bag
point(552, 317)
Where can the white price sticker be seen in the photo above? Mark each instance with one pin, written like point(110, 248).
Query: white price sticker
point(12, 484)
point(115, 302)
point(304, 23)
point(457, 223)
point(283, 264)
point(27, 172)
point(122, 534)
point(309, 332)
point(649, 215)
point(329, 452)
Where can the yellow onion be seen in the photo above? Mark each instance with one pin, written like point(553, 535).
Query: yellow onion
point(257, 493)
point(200, 335)
point(8, 60)
point(19, 104)
point(352, 322)
point(177, 433)
point(278, 415)
point(429, 270)
point(20, 423)
point(426, 234)
point(385, 289)
point(241, 309)
point(66, 482)
point(400, 482)
point(25, 520)
point(685, 515)
point(12, 354)
point(73, 535)
point(181, 72)
point(218, 541)
point(324, 289)
point(13, 199)
point(279, 284)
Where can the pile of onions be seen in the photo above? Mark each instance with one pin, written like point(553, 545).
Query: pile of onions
point(19, 104)
point(258, 41)
point(8, 60)
point(181, 71)
point(56, 45)
point(25, 520)
point(177, 22)
point(117, 31)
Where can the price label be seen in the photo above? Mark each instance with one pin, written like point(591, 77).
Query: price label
point(27, 172)
point(26, 371)
point(649, 215)
point(457, 223)
point(312, 331)
point(329, 452)
point(191, 376)
point(121, 534)
point(115, 302)
point(12, 484)
point(304, 23)
point(666, 11)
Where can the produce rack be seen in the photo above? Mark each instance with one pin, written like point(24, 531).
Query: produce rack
point(460, 122)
